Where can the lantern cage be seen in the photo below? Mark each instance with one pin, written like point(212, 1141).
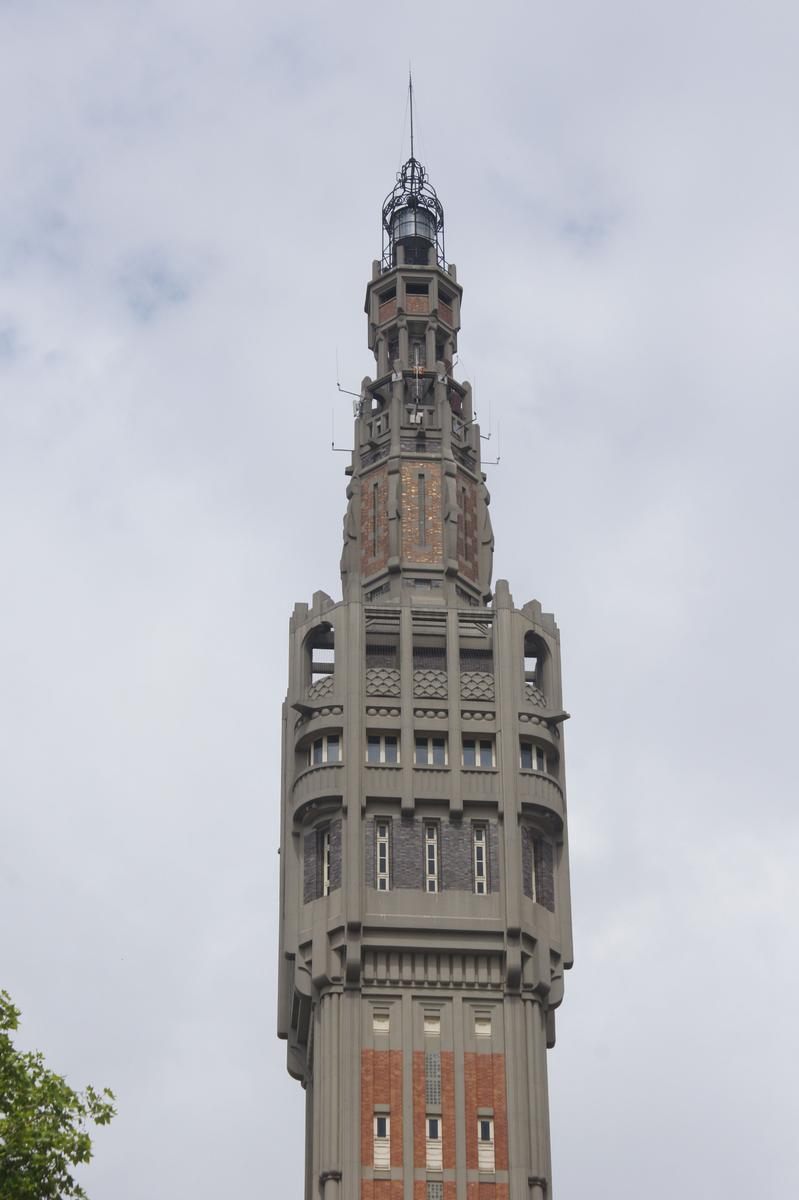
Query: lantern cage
point(413, 218)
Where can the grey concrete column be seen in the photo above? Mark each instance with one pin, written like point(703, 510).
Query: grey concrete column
point(406, 695)
point(407, 1095)
point(516, 1074)
point(460, 1097)
point(454, 681)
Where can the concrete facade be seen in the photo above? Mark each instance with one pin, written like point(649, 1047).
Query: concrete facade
point(424, 897)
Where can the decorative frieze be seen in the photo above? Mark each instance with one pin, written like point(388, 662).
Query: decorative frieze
point(430, 684)
point(435, 970)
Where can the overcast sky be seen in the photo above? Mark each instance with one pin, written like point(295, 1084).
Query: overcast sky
point(189, 212)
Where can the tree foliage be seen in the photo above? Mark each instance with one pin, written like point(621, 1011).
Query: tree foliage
point(43, 1122)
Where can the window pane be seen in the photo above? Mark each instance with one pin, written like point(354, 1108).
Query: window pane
point(486, 757)
point(527, 756)
point(439, 756)
point(373, 749)
point(468, 752)
point(391, 749)
point(332, 748)
point(421, 751)
point(318, 751)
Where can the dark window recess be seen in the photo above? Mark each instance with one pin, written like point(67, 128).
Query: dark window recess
point(418, 352)
point(432, 1077)
point(430, 658)
point(416, 254)
point(444, 297)
point(382, 654)
point(544, 867)
point(388, 294)
point(477, 660)
point(313, 870)
point(417, 289)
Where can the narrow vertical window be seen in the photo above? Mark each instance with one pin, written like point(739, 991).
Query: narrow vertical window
point(422, 511)
point(485, 1144)
point(480, 859)
point(431, 856)
point(462, 525)
point(526, 756)
point(324, 855)
point(382, 1142)
point(375, 507)
point(433, 1148)
point(382, 849)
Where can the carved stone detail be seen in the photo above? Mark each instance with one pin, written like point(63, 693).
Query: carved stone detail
point(477, 685)
point(322, 687)
point(428, 684)
point(382, 681)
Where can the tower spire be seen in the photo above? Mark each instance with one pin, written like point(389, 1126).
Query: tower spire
point(410, 98)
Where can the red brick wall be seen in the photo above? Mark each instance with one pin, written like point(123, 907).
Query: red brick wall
point(381, 1083)
point(370, 563)
point(467, 514)
point(418, 1110)
point(381, 1189)
point(484, 1077)
point(448, 1108)
point(433, 549)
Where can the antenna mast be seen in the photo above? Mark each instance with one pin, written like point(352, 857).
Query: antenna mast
point(410, 96)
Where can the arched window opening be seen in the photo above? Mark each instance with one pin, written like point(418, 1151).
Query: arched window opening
point(320, 658)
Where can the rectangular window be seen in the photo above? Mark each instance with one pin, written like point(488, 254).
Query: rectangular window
point(435, 1190)
point(324, 854)
point(485, 1144)
point(381, 1022)
point(430, 751)
point(482, 1026)
point(432, 1077)
point(480, 859)
point(433, 1150)
point(382, 1142)
point(478, 752)
point(325, 750)
point(431, 856)
point(532, 757)
point(383, 854)
point(382, 748)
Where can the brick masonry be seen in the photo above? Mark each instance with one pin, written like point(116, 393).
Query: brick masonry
point(312, 862)
point(407, 854)
point(374, 505)
point(467, 533)
point(432, 552)
point(381, 1083)
point(538, 855)
point(484, 1084)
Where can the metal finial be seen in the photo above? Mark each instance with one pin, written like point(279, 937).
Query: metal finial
point(410, 95)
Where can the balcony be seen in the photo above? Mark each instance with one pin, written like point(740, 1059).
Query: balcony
point(431, 783)
point(316, 783)
point(381, 780)
point(480, 783)
point(542, 791)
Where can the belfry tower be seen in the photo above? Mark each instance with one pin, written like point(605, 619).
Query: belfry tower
point(424, 906)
